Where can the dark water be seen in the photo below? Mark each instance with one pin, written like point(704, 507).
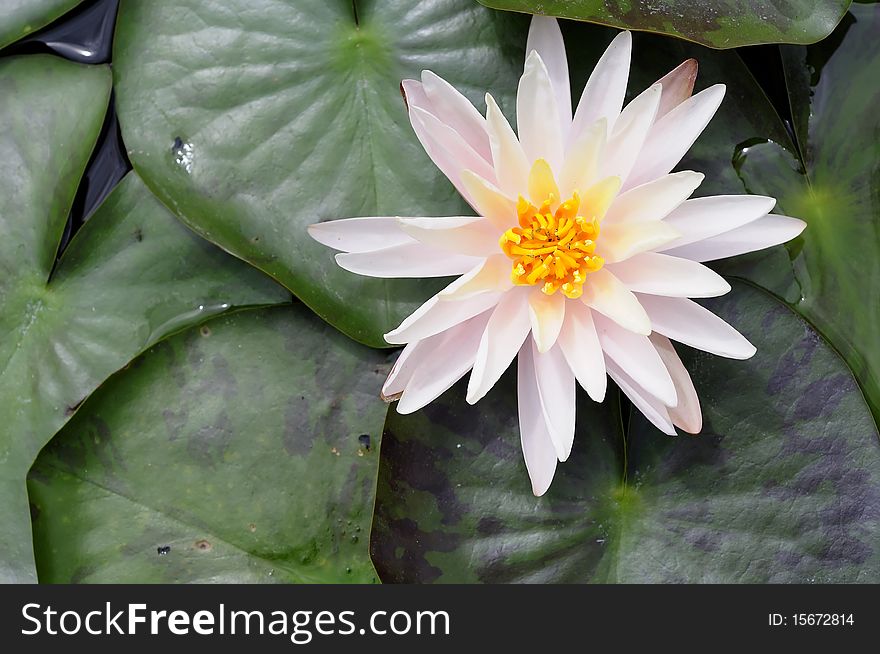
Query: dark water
point(85, 35)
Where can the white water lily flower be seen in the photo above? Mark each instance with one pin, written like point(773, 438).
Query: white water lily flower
point(584, 254)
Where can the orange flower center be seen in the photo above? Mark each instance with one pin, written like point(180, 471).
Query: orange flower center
point(553, 248)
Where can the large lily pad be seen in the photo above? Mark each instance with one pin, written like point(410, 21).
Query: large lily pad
point(18, 18)
point(247, 447)
point(254, 119)
point(830, 181)
point(783, 485)
point(715, 23)
point(131, 276)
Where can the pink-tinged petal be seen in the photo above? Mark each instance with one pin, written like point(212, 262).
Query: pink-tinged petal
point(687, 414)
point(629, 134)
point(446, 359)
point(607, 295)
point(463, 156)
point(556, 388)
point(508, 158)
point(580, 345)
point(471, 235)
point(545, 38)
point(678, 86)
point(687, 322)
point(489, 201)
point(415, 98)
point(360, 234)
point(455, 110)
point(759, 234)
point(537, 445)
point(653, 200)
point(582, 159)
point(410, 260)
point(535, 100)
point(435, 316)
point(659, 274)
point(634, 355)
point(605, 90)
point(674, 134)
point(546, 315)
point(490, 275)
point(702, 218)
point(504, 335)
point(620, 241)
point(652, 408)
point(407, 361)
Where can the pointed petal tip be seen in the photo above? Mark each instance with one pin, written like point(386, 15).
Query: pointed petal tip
point(392, 339)
point(540, 487)
point(693, 429)
point(624, 38)
point(641, 326)
point(717, 89)
point(597, 393)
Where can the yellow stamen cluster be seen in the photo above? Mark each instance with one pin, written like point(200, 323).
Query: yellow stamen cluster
point(552, 248)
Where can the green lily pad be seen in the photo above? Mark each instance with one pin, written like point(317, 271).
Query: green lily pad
point(830, 181)
point(131, 276)
point(253, 119)
point(18, 18)
point(716, 23)
point(783, 485)
point(247, 447)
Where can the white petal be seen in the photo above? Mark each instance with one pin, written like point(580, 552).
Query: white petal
point(702, 218)
point(359, 234)
point(410, 260)
point(582, 159)
point(659, 274)
point(686, 414)
point(580, 345)
point(673, 135)
point(556, 387)
point(492, 274)
point(620, 241)
point(488, 200)
point(603, 95)
point(472, 235)
point(407, 361)
point(545, 37)
point(607, 295)
point(416, 353)
point(635, 355)
point(629, 134)
point(653, 200)
point(442, 158)
point(687, 322)
point(507, 330)
point(435, 316)
point(459, 154)
point(652, 408)
point(757, 235)
point(508, 158)
point(455, 110)
point(538, 450)
point(546, 313)
point(535, 101)
point(678, 86)
point(447, 358)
